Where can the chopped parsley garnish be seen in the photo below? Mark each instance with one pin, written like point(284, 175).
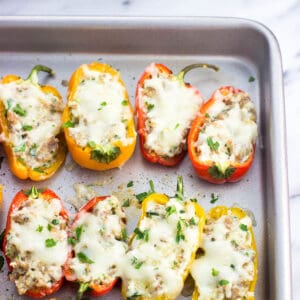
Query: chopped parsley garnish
point(192, 221)
point(50, 243)
point(27, 127)
point(228, 150)
point(214, 272)
point(207, 115)
point(9, 105)
point(72, 241)
point(39, 228)
point(176, 126)
point(130, 184)
point(19, 110)
point(212, 145)
point(223, 282)
point(137, 264)
point(104, 103)
point(20, 148)
point(69, 124)
point(142, 235)
point(140, 197)
point(124, 234)
point(78, 231)
point(243, 227)
point(232, 266)
point(213, 198)
point(179, 234)
point(124, 102)
point(152, 213)
point(49, 227)
point(215, 172)
point(150, 106)
point(170, 210)
point(193, 200)
point(55, 222)
point(40, 169)
point(83, 258)
point(251, 79)
point(126, 203)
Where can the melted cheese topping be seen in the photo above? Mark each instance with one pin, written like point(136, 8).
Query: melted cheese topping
point(170, 108)
point(37, 244)
point(229, 131)
point(34, 121)
point(99, 110)
point(161, 250)
point(226, 268)
point(99, 248)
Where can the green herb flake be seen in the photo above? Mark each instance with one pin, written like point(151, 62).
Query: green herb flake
point(243, 227)
point(69, 124)
point(207, 115)
point(179, 234)
point(50, 243)
point(19, 110)
point(33, 150)
point(213, 198)
point(126, 203)
point(192, 221)
point(130, 184)
point(39, 169)
point(212, 145)
point(170, 210)
point(214, 272)
point(55, 222)
point(49, 227)
point(194, 200)
point(251, 79)
point(20, 148)
point(137, 264)
point(152, 213)
point(27, 127)
point(176, 126)
point(9, 105)
point(78, 231)
point(39, 228)
point(124, 234)
point(232, 266)
point(72, 241)
point(223, 282)
point(150, 106)
point(83, 258)
point(142, 235)
point(125, 102)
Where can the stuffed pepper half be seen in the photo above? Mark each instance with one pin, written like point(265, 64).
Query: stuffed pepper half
point(30, 126)
point(97, 237)
point(35, 242)
point(227, 268)
point(162, 248)
point(98, 118)
point(222, 138)
point(166, 107)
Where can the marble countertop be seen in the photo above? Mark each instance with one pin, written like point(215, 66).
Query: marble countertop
point(281, 16)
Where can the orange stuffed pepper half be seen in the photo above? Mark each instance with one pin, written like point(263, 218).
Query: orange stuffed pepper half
point(98, 119)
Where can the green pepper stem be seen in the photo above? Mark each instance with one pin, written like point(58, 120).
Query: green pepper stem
point(185, 70)
point(33, 75)
point(179, 189)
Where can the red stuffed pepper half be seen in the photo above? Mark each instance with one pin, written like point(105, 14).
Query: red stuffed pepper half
point(35, 242)
point(222, 138)
point(166, 107)
point(97, 237)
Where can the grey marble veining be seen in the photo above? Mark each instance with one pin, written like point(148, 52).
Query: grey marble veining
point(281, 16)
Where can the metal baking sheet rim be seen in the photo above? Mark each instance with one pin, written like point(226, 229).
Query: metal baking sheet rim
point(279, 236)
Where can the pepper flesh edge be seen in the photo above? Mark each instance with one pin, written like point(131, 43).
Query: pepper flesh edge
point(19, 198)
point(216, 213)
point(202, 167)
point(18, 168)
point(162, 199)
point(82, 154)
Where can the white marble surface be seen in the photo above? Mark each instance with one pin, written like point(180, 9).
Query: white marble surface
point(281, 16)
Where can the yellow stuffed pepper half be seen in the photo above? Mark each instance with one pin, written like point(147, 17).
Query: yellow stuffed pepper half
point(163, 247)
point(30, 125)
point(227, 268)
point(98, 118)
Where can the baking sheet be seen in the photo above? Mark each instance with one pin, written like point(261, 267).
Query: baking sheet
point(240, 48)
